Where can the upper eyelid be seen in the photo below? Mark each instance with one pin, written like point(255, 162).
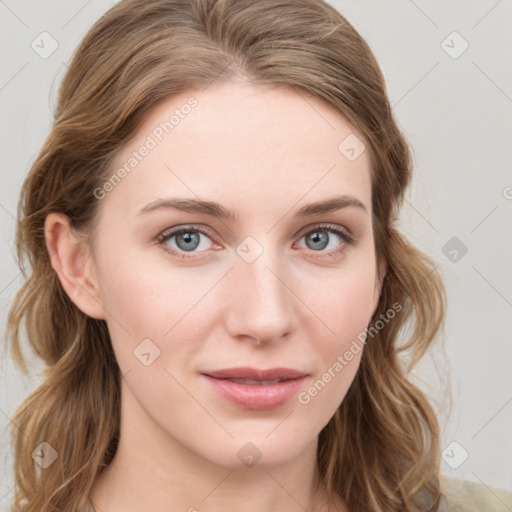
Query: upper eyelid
point(322, 225)
point(170, 232)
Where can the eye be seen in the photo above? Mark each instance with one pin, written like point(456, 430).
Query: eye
point(321, 237)
point(181, 241)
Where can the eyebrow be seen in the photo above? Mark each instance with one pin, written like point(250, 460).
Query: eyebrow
point(216, 210)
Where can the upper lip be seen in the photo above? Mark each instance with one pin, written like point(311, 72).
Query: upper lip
point(256, 374)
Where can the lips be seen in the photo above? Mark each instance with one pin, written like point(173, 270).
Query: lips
point(251, 388)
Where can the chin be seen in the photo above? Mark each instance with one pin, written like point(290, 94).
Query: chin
point(254, 452)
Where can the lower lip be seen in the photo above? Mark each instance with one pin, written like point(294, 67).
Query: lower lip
point(256, 396)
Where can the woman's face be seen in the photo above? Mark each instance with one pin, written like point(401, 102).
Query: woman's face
point(265, 288)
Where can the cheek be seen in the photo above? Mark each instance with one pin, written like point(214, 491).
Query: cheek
point(157, 302)
point(345, 309)
point(343, 300)
point(135, 297)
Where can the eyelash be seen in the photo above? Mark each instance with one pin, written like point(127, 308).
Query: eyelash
point(165, 236)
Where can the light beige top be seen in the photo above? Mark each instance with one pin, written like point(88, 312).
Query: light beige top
point(467, 496)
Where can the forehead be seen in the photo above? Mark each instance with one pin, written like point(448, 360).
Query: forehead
point(237, 140)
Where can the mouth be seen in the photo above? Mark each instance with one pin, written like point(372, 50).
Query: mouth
point(256, 375)
point(251, 388)
point(256, 382)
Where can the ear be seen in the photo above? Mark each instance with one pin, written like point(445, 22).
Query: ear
point(72, 261)
point(379, 280)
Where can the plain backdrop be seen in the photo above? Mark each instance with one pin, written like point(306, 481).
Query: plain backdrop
point(449, 78)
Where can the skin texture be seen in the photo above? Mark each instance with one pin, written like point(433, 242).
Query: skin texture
point(264, 153)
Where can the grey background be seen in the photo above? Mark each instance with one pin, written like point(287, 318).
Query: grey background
point(456, 114)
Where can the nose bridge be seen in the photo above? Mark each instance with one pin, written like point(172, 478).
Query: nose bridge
point(261, 306)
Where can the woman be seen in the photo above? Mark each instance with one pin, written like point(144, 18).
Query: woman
point(217, 284)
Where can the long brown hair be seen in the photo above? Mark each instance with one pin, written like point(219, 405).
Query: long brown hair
point(380, 451)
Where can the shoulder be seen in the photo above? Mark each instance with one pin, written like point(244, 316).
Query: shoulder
point(467, 496)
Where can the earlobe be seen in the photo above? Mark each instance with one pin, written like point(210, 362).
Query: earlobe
point(71, 259)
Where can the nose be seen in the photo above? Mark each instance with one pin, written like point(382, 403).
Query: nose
point(261, 305)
